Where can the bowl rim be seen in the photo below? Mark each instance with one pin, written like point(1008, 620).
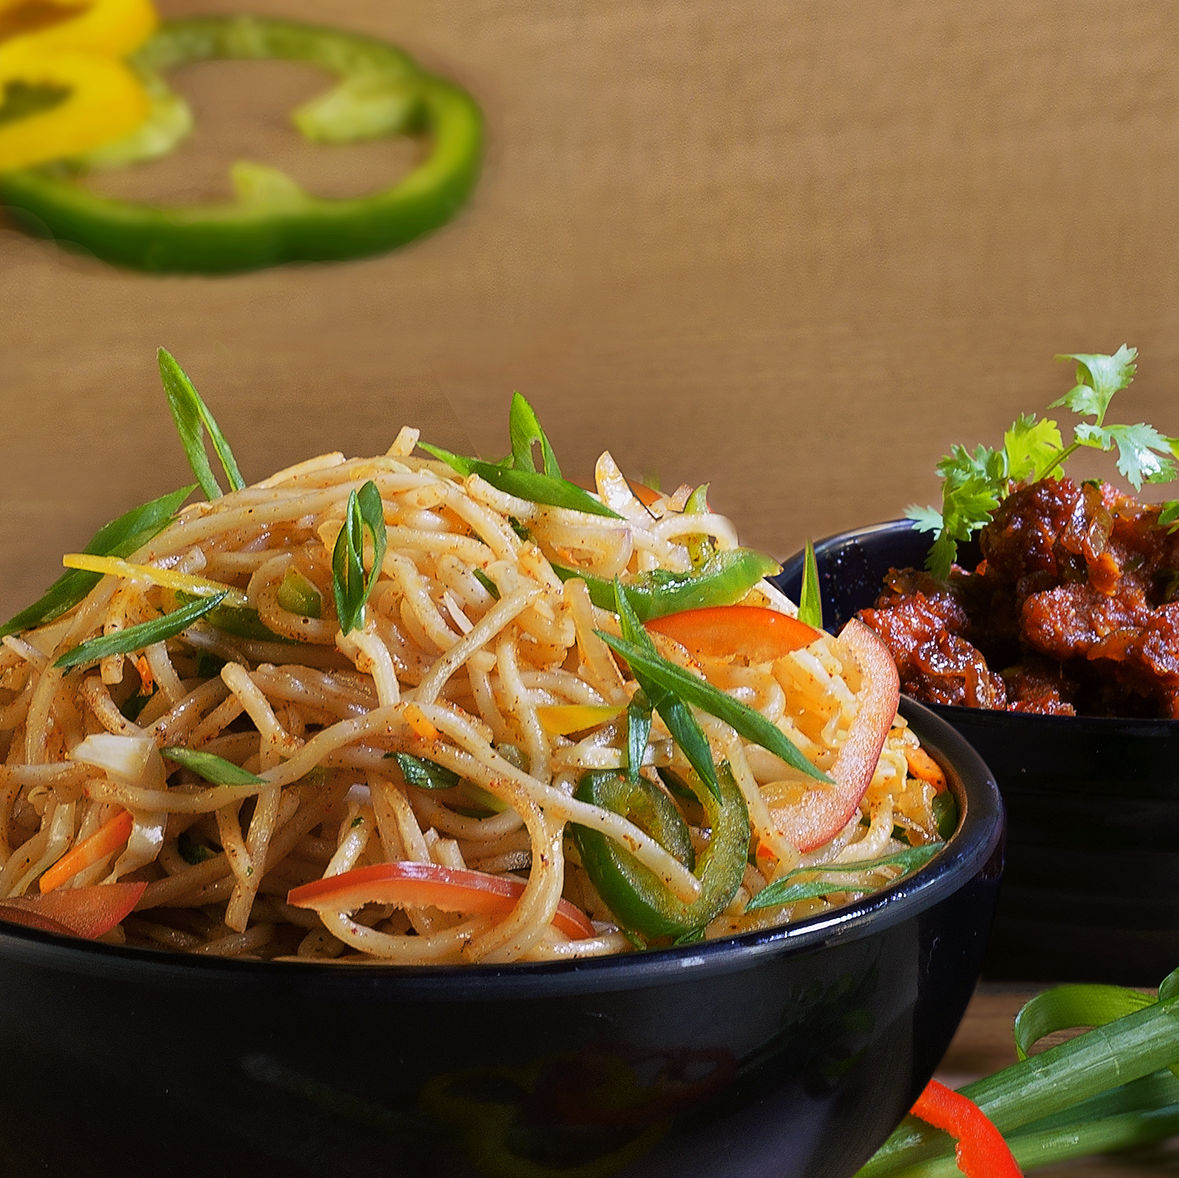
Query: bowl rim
point(791, 569)
point(968, 851)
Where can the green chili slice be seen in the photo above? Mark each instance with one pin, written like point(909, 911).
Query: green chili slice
point(724, 579)
point(639, 900)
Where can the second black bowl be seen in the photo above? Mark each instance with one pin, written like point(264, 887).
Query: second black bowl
point(1091, 889)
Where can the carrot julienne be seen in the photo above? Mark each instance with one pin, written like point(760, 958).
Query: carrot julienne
point(922, 765)
point(109, 837)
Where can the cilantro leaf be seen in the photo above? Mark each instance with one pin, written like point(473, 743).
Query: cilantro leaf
point(1098, 378)
point(974, 483)
point(1144, 455)
point(1031, 444)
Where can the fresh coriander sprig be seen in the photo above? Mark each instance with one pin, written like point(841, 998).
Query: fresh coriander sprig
point(975, 482)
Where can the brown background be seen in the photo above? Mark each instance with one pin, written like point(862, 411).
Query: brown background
point(791, 248)
point(794, 249)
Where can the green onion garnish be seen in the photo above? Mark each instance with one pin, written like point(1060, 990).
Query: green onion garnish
point(365, 513)
point(136, 637)
point(211, 767)
point(192, 419)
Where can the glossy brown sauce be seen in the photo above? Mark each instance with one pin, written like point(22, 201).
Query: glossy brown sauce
point(1073, 609)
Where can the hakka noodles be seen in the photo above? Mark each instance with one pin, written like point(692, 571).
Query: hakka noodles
point(420, 708)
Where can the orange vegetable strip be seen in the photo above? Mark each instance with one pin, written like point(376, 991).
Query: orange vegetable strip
point(419, 724)
point(981, 1151)
point(756, 632)
point(922, 765)
point(644, 494)
point(82, 912)
point(428, 885)
point(110, 836)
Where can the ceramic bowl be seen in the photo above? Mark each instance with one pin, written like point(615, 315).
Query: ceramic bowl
point(794, 1051)
point(1091, 889)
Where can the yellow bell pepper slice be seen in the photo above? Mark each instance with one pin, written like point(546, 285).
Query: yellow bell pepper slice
point(112, 28)
point(564, 719)
point(97, 99)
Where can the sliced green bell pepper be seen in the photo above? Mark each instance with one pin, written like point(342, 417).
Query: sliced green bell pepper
point(639, 900)
point(381, 92)
point(723, 579)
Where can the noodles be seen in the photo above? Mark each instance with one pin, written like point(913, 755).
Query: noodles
point(271, 762)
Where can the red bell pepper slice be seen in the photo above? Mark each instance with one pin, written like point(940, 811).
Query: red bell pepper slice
point(756, 632)
point(428, 885)
point(980, 1151)
point(78, 912)
point(824, 810)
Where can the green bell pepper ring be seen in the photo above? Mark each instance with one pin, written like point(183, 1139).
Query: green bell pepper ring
point(381, 92)
point(639, 900)
point(723, 579)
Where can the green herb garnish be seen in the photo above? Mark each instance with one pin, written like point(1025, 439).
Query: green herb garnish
point(667, 684)
point(365, 513)
point(804, 883)
point(810, 598)
point(673, 710)
point(136, 637)
point(192, 419)
point(191, 850)
point(518, 475)
point(525, 432)
point(974, 483)
point(211, 767)
point(638, 733)
point(424, 774)
point(487, 583)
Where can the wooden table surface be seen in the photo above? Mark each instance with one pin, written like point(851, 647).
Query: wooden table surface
point(792, 249)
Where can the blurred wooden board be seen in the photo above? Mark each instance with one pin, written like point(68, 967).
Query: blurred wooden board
point(794, 250)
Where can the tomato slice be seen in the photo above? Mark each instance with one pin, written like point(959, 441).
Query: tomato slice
point(758, 633)
point(824, 810)
point(428, 885)
point(79, 912)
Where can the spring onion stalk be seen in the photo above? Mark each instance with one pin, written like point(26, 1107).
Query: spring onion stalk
point(810, 598)
point(1106, 1088)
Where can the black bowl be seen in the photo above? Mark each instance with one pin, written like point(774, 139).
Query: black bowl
point(789, 1052)
point(1091, 888)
